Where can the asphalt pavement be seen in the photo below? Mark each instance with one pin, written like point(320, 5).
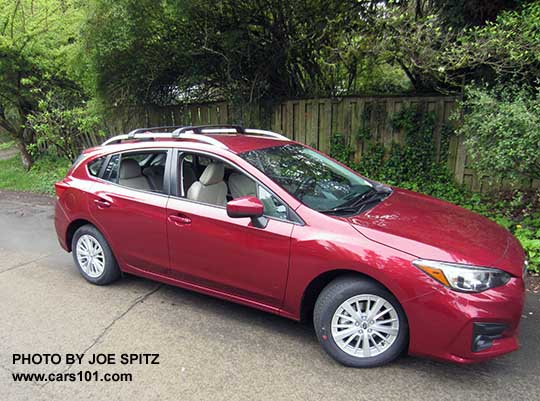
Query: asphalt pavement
point(208, 349)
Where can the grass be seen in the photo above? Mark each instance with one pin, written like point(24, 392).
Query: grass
point(7, 145)
point(40, 178)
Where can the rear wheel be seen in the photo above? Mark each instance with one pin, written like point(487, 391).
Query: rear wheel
point(359, 323)
point(93, 256)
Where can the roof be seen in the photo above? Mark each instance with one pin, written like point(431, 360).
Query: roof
point(240, 143)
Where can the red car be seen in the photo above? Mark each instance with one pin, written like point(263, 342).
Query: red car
point(252, 217)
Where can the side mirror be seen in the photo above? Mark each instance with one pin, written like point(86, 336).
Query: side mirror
point(247, 206)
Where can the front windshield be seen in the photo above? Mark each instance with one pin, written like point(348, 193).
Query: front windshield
point(310, 177)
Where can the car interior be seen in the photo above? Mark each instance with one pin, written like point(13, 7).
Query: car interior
point(205, 179)
point(212, 181)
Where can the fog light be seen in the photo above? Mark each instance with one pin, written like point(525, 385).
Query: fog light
point(485, 333)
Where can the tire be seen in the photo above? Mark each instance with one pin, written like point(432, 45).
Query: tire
point(101, 268)
point(333, 323)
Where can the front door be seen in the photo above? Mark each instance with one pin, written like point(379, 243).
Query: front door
point(209, 249)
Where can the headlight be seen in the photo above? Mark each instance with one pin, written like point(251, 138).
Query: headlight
point(463, 277)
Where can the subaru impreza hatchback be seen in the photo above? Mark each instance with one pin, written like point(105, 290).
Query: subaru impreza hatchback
point(252, 217)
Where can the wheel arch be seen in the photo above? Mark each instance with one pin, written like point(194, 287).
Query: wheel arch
point(73, 227)
point(318, 283)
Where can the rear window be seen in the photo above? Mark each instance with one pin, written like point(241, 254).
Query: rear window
point(94, 166)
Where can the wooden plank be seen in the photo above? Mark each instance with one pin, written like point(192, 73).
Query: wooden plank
point(439, 122)
point(359, 131)
point(467, 181)
point(302, 120)
point(213, 114)
point(295, 120)
point(325, 122)
point(312, 134)
point(386, 123)
point(461, 155)
point(289, 121)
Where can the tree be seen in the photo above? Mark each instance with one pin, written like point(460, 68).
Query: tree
point(37, 38)
point(178, 50)
point(443, 45)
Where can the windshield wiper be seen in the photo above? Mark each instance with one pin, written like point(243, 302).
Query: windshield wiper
point(357, 204)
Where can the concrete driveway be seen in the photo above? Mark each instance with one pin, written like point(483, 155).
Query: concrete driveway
point(208, 349)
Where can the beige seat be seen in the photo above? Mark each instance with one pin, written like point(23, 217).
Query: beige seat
point(210, 188)
point(154, 175)
point(241, 185)
point(131, 175)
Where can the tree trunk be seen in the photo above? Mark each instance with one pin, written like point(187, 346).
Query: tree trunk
point(26, 158)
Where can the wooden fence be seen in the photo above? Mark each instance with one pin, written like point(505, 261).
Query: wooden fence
point(314, 121)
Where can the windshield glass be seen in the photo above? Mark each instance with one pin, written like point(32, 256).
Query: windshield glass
point(310, 177)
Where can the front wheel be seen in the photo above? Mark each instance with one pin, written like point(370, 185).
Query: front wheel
point(93, 256)
point(359, 323)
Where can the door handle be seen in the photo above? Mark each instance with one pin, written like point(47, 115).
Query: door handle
point(179, 219)
point(102, 203)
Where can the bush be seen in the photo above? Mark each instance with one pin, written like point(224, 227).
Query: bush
point(62, 126)
point(502, 130)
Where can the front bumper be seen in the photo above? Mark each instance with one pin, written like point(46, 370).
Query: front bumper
point(445, 324)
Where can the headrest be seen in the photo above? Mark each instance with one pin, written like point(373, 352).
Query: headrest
point(129, 168)
point(212, 174)
point(241, 185)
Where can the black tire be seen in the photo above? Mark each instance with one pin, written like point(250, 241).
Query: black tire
point(330, 299)
point(111, 271)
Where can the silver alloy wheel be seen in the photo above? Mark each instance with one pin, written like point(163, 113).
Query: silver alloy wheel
point(365, 325)
point(90, 256)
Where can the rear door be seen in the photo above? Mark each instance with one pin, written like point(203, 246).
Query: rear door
point(130, 206)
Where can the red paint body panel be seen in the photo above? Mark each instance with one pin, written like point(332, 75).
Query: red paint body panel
point(229, 254)
point(199, 247)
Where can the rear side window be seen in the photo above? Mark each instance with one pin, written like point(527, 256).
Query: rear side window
point(94, 166)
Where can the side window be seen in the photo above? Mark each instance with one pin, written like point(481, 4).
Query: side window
point(217, 183)
point(273, 207)
point(95, 166)
point(138, 170)
point(203, 179)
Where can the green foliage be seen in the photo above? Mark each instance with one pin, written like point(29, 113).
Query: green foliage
point(7, 145)
point(530, 240)
point(40, 178)
point(502, 131)
point(412, 162)
point(63, 130)
point(37, 54)
point(413, 165)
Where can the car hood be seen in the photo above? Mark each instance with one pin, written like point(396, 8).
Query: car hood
point(429, 228)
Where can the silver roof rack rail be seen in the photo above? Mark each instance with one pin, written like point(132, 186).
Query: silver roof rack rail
point(266, 133)
point(191, 132)
point(164, 135)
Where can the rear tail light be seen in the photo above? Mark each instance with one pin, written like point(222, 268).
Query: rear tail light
point(60, 187)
